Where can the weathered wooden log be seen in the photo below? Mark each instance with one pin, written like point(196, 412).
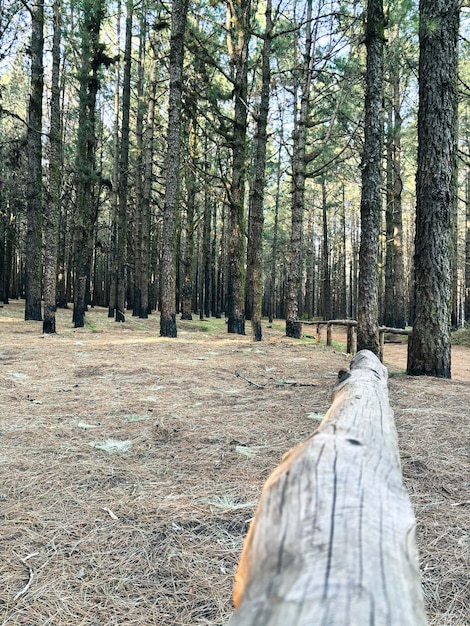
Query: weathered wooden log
point(391, 331)
point(395, 331)
point(333, 539)
point(351, 342)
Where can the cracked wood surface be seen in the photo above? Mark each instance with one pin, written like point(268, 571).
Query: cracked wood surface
point(333, 539)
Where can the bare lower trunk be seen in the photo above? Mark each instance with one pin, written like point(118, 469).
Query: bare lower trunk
point(467, 248)
point(122, 234)
point(429, 348)
point(238, 34)
point(33, 263)
point(52, 210)
point(257, 191)
point(371, 202)
point(294, 277)
point(168, 297)
point(86, 210)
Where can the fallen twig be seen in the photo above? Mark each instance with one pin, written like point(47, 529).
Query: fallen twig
point(31, 576)
point(277, 383)
point(292, 383)
point(238, 375)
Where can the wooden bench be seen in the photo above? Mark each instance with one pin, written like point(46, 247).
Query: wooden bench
point(333, 539)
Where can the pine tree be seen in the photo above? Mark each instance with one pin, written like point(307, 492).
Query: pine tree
point(429, 350)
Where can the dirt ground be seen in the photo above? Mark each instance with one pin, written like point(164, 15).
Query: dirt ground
point(130, 465)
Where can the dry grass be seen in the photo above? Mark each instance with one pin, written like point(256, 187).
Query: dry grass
point(152, 535)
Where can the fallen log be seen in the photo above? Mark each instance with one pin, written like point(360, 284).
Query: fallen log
point(333, 539)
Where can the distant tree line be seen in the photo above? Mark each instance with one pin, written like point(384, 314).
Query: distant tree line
point(238, 158)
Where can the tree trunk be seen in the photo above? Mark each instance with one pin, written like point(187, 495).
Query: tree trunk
point(139, 167)
point(293, 325)
point(121, 243)
point(333, 538)
point(343, 307)
point(143, 278)
point(467, 246)
point(34, 181)
point(274, 251)
point(87, 176)
point(188, 260)
point(326, 283)
point(206, 255)
point(112, 259)
point(388, 316)
point(371, 202)
point(238, 35)
point(429, 350)
point(454, 316)
point(168, 296)
point(213, 262)
point(398, 271)
point(52, 210)
point(257, 190)
point(310, 263)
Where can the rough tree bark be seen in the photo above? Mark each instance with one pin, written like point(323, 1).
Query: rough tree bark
point(86, 212)
point(398, 271)
point(139, 164)
point(168, 303)
point(326, 282)
point(144, 242)
point(274, 250)
point(52, 209)
point(333, 538)
point(293, 324)
point(388, 312)
point(371, 201)
point(429, 350)
point(238, 35)
point(467, 246)
point(33, 264)
point(188, 260)
point(254, 265)
point(121, 230)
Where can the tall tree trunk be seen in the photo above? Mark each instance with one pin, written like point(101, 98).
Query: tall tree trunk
point(454, 315)
point(467, 246)
point(429, 350)
point(310, 263)
point(238, 35)
point(257, 189)
point(343, 299)
point(326, 282)
point(87, 175)
point(188, 259)
point(206, 254)
point(388, 314)
point(168, 298)
point(139, 166)
point(293, 325)
point(213, 267)
point(144, 277)
point(121, 244)
point(398, 271)
point(371, 202)
point(34, 182)
point(274, 251)
point(115, 175)
point(52, 209)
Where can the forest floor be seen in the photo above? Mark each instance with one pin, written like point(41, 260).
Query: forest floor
point(130, 465)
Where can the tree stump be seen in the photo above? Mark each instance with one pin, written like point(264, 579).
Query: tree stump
point(333, 539)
